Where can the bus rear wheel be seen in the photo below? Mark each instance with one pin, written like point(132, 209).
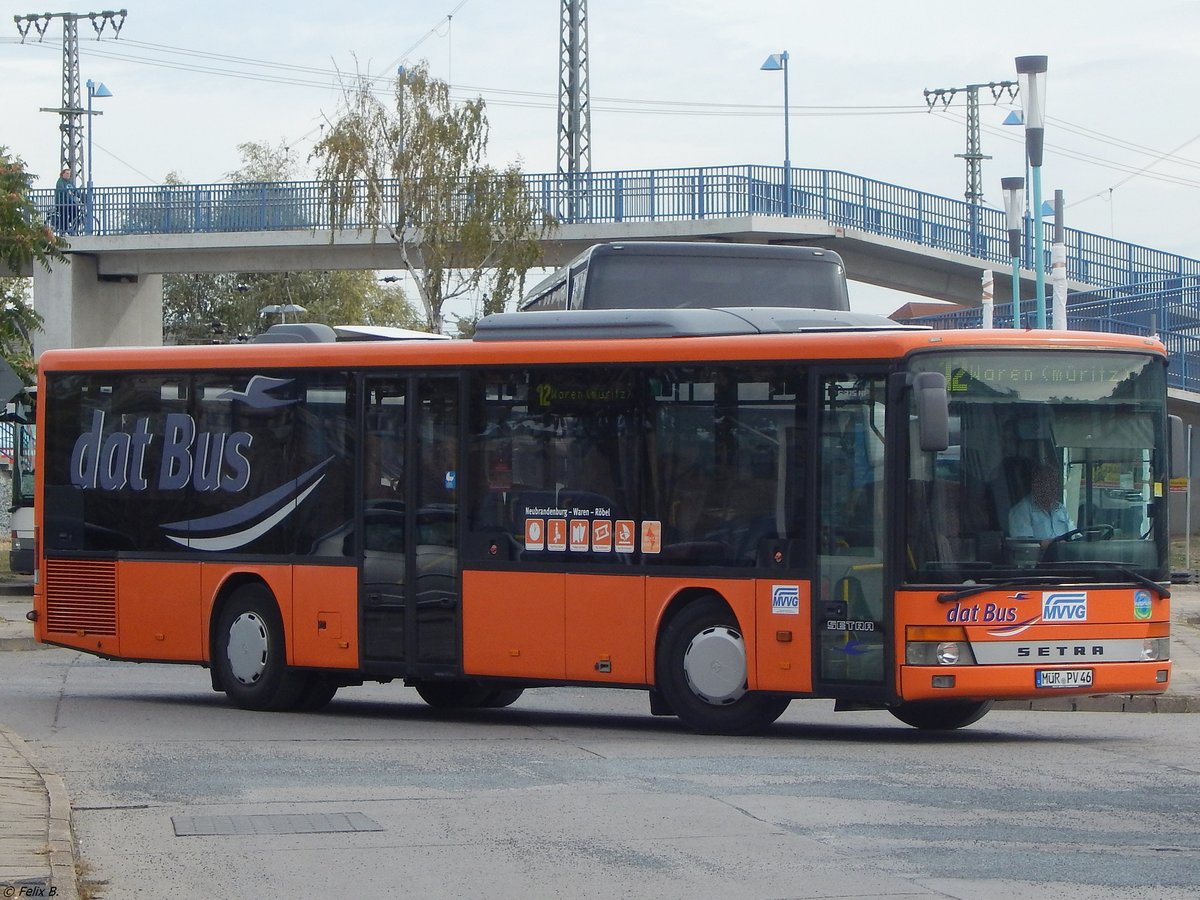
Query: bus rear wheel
point(250, 656)
point(941, 715)
point(702, 674)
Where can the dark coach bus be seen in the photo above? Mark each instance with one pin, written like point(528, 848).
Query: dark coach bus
point(694, 275)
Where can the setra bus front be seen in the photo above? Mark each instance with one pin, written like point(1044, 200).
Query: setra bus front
point(1034, 533)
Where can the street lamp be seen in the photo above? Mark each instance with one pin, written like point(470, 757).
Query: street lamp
point(282, 309)
point(774, 63)
point(1032, 73)
point(93, 90)
point(1014, 200)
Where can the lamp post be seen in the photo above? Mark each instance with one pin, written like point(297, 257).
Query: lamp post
point(93, 90)
point(1032, 73)
point(774, 63)
point(282, 309)
point(1014, 199)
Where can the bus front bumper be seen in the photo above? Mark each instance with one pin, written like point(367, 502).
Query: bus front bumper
point(1026, 682)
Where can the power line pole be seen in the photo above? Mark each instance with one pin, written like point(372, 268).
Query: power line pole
point(574, 109)
point(974, 155)
point(71, 111)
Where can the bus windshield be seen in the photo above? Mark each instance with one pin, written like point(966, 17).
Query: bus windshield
point(1051, 467)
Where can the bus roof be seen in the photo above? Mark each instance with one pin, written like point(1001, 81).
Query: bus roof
point(671, 323)
point(501, 345)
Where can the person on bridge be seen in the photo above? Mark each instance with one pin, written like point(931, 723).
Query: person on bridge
point(66, 203)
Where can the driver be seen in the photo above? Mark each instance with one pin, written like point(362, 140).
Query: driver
point(1040, 514)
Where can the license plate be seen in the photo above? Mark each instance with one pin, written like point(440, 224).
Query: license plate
point(1063, 678)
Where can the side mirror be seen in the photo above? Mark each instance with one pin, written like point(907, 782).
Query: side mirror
point(933, 410)
point(1179, 460)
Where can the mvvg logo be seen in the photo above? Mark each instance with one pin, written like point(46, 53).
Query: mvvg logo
point(785, 599)
point(1064, 606)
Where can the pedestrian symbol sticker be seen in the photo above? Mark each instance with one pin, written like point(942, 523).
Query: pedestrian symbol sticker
point(556, 534)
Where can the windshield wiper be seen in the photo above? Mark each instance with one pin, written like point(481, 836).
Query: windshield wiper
point(1075, 569)
point(964, 593)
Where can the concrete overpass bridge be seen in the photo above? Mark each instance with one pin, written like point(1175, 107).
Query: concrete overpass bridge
point(890, 236)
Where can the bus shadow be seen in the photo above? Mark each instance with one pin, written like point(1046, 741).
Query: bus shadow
point(401, 710)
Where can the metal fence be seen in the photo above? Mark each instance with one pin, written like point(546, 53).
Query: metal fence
point(648, 195)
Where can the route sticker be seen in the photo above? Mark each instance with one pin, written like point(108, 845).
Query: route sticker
point(624, 535)
point(651, 537)
point(602, 536)
point(535, 534)
point(579, 535)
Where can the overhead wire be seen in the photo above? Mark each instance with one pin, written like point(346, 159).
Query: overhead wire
point(1129, 169)
point(314, 77)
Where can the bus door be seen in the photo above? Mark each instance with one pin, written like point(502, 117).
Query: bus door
point(850, 620)
point(409, 585)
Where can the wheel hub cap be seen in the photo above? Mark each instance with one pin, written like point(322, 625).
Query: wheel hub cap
point(715, 665)
point(247, 648)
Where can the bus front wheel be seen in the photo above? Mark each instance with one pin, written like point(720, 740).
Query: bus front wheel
point(702, 674)
point(941, 715)
point(250, 655)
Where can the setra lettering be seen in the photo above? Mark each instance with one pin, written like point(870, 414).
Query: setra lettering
point(1057, 651)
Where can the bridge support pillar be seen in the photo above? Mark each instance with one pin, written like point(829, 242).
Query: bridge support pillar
point(81, 310)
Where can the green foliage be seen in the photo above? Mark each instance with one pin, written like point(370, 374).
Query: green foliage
point(262, 162)
point(200, 309)
point(24, 237)
point(415, 170)
point(18, 322)
point(24, 240)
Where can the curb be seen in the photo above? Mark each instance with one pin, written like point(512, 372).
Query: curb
point(60, 838)
point(1130, 703)
point(20, 643)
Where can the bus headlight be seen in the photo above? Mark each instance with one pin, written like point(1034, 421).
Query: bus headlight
point(938, 646)
point(1154, 649)
point(939, 653)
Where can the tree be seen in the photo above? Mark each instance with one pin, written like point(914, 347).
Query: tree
point(415, 170)
point(198, 309)
point(262, 162)
point(18, 322)
point(25, 239)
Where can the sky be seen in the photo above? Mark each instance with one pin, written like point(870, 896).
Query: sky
point(671, 85)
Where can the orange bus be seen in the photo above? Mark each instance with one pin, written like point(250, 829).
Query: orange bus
point(728, 509)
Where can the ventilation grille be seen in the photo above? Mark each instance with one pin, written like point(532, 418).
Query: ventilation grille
point(81, 595)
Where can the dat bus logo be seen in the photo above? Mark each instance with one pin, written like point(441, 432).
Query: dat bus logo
point(1064, 606)
point(207, 460)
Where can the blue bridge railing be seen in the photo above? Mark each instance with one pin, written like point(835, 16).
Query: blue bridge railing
point(651, 195)
point(1141, 290)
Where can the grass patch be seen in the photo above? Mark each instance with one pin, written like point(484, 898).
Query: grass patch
point(1179, 559)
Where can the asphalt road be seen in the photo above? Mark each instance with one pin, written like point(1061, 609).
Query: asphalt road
point(580, 793)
